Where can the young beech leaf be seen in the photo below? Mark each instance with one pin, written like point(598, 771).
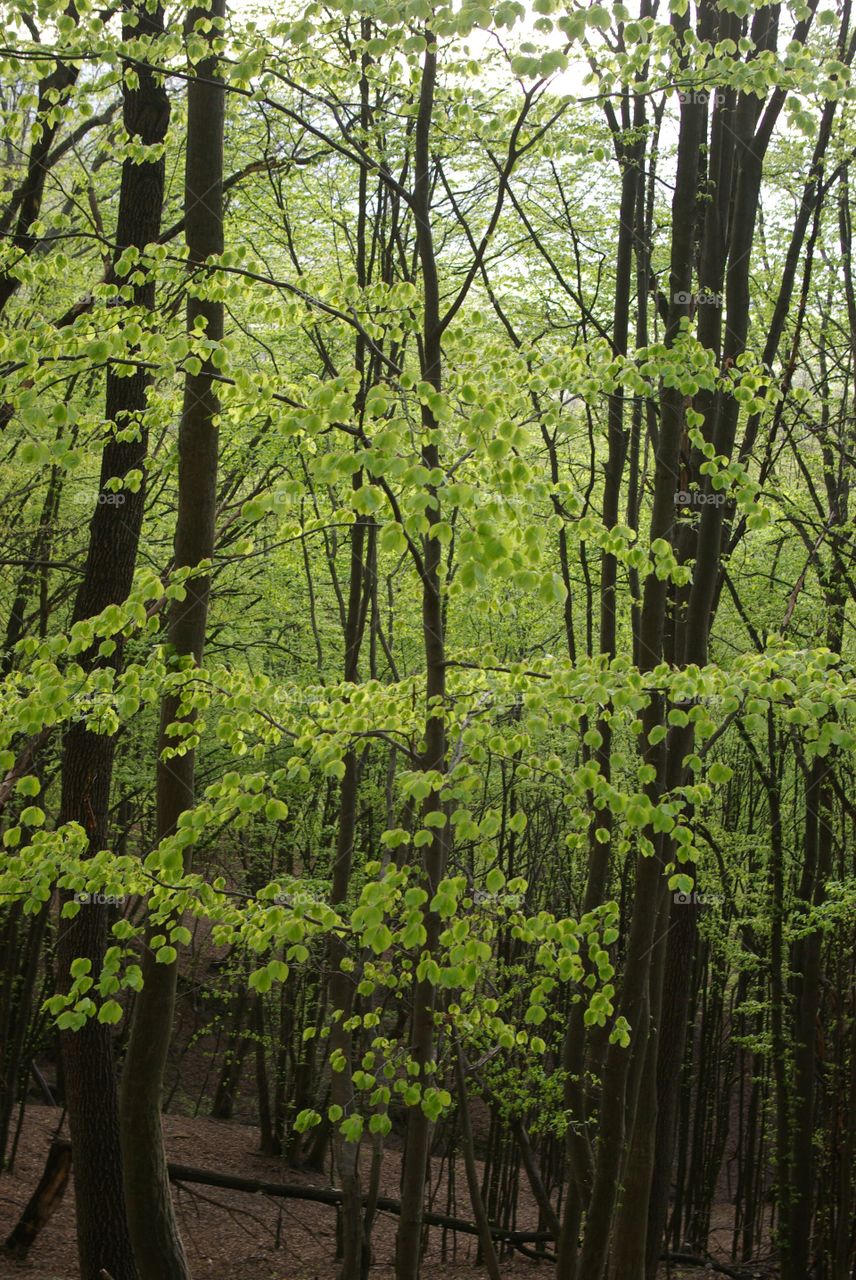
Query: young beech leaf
point(110, 1011)
point(495, 880)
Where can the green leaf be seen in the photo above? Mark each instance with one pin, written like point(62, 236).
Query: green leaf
point(260, 980)
point(352, 1128)
point(720, 772)
point(110, 1012)
point(495, 880)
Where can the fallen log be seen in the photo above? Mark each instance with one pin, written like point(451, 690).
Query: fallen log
point(333, 1196)
point(708, 1264)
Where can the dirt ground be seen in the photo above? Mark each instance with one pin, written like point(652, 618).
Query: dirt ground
point(230, 1235)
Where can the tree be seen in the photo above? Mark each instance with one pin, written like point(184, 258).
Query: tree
point(87, 761)
point(157, 1245)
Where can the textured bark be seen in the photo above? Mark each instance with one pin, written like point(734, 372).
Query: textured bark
point(87, 761)
point(157, 1243)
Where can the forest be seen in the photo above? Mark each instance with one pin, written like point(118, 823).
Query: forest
point(428, 689)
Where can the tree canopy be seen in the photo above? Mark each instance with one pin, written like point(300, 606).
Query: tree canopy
point(427, 576)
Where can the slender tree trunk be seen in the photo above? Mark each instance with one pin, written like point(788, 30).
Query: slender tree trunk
point(780, 1069)
point(819, 837)
point(578, 1140)
point(419, 1127)
point(803, 1162)
point(354, 1241)
point(157, 1244)
point(355, 1238)
point(27, 200)
point(488, 1252)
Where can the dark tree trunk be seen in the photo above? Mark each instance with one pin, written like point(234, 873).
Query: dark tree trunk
point(738, 149)
point(157, 1243)
point(649, 890)
point(417, 1148)
point(630, 157)
point(87, 761)
point(43, 1203)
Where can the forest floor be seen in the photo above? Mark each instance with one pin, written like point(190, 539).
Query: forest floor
point(230, 1235)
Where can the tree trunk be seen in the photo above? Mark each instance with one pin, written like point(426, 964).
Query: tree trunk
point(157, 1243)
point(87, 759)
point(43, 1202)
point(488, 1252)
point(416, 1152)
point(595, 1248)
